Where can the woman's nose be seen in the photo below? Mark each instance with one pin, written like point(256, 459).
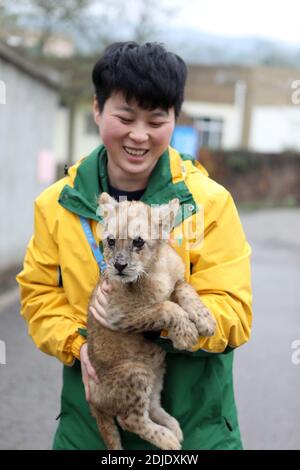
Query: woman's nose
point(139, 134)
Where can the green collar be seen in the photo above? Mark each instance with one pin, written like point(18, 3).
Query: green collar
point(91, 181)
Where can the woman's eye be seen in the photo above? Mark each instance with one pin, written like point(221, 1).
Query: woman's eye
point(125, 121)
point(111, 241)
point(138, 242)
point(156, 124)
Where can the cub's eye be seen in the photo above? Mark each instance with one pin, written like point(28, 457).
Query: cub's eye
point(111, 241)
point(138, 242)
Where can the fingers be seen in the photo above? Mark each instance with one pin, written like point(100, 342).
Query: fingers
point(100, 307)
point(100, 303)
point(100, 317)
point(88, 372)
point(106, 287)
point(101, 298)
point(87, 391)
point(103, 291)
point(91, 371)
point(85, 380)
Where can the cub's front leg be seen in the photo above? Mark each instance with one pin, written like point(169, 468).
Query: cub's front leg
point(164, 315)
point(186, 296)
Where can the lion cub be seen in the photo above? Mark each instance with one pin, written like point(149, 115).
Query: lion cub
point(148, 293)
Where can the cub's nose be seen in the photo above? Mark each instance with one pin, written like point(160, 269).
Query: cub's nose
point(120, 267)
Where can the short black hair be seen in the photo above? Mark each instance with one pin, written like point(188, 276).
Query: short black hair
point(147, 73)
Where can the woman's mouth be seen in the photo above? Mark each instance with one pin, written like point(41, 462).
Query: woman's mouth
point(135, 153)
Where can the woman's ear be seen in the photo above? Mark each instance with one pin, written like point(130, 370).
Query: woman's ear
point(96, 111)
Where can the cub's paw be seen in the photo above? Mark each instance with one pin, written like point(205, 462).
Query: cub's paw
point(168, 441)
point(184, 334)
point(204, 322)
point(174, 426)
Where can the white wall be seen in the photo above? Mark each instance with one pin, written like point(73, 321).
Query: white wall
point(228, 113)
point(84, 142)
point(61, 134)
point(275, 129)
point(26, 128)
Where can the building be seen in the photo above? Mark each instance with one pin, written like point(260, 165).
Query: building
point(59, 44)
point(226, 107)
point(235, 107)
point(28, 105)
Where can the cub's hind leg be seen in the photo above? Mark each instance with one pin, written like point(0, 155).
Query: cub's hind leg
point(102, 407)
point(156, 412)
point(138, 388)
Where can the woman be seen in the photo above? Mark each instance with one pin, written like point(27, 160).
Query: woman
point(139, 91)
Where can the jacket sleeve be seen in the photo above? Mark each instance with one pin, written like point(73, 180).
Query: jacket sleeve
point(52, 321)
point(220, 273)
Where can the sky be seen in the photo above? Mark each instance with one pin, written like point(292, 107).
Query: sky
point(271, 19)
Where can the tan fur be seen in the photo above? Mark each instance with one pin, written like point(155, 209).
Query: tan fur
point(152, 295)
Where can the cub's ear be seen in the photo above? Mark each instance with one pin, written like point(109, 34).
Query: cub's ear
point(107, 205)
point(105, 198)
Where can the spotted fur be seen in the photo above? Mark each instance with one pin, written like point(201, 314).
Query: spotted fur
point(151, 294)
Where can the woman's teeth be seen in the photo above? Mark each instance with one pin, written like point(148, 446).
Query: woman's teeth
point(135, 153)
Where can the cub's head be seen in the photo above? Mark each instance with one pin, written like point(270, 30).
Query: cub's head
point(132, 235)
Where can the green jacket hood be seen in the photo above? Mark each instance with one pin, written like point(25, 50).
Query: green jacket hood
point(91, 180)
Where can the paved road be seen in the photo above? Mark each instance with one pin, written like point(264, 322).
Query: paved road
point(29, 387)
point(267, 382)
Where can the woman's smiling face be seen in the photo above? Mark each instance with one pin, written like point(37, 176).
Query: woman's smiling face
point(134, 137)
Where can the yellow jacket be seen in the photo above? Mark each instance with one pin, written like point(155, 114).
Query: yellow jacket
point(60, 271)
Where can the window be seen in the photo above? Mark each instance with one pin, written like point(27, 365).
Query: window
point(90, 126)
point(209, 132)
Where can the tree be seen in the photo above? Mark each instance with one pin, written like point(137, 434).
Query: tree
point(92, 24)
point(7, 18)
point(47, 16)
point(149, 17)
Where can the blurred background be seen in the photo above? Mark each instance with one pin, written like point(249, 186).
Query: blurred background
point(240, 119)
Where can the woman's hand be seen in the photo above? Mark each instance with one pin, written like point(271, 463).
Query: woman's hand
point(87, 370)
point(99, 304)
